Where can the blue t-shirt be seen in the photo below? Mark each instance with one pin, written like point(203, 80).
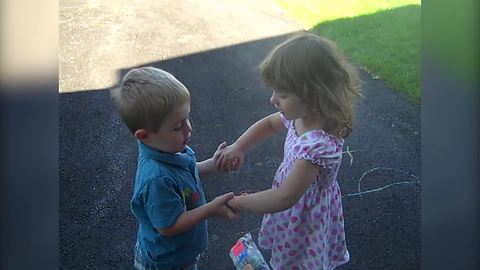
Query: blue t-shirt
point(166, 185)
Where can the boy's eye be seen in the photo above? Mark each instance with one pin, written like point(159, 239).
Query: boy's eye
point(181, 125)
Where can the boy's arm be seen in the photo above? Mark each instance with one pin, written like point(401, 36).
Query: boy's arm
point(189, 219)
point(275, 200)
point(259, 131)
point(206, 168)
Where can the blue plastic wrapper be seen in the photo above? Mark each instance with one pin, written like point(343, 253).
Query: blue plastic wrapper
point(245, 252)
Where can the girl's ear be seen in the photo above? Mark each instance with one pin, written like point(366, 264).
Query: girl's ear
point(141, 134)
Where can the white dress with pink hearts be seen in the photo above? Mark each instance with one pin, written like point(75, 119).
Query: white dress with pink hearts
point(311, 234)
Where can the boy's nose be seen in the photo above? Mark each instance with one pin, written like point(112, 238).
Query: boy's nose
point(188, 127)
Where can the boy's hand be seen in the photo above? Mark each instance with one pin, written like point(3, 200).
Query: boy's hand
point(231, 158)
point(218, 207)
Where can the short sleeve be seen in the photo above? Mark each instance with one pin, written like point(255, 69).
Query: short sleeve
point(163, 202)
point(319, 148)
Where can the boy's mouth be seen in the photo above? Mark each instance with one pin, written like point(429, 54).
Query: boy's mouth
point(187, 139)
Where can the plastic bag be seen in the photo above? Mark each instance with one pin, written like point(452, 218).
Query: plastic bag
point(246, 252)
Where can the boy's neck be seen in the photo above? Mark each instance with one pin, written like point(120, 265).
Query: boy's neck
point(156, 148)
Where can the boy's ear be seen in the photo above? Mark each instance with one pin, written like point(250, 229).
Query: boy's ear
point(141, 134)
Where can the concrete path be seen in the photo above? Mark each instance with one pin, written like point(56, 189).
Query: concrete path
point(98, 37)
point(214, 49)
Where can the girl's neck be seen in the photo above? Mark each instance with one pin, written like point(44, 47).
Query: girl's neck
point(308, 123)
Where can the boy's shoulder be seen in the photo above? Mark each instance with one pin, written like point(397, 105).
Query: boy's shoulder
point(153, 164)
point(153, 169)
point(153, 174)
point(181, 159)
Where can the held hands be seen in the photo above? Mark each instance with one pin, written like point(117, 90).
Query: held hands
point(230, 158)
point(212, 162)
point(225, 159)
point(234, 203)
point(218, 207)
point(219, 151)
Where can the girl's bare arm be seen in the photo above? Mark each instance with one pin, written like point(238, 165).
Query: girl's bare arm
point(275, 200)
point(262, 129)
point(259, 131)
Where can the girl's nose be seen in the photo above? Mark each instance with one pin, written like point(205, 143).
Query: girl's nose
point(273, 99)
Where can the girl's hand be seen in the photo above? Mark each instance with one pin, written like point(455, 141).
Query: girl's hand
point(208, 166)
point(231, 158)
point(218, 152)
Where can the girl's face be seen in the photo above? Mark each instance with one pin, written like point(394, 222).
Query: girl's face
point(174, 133)
point(289, 104)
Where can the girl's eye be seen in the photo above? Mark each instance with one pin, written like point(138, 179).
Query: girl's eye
point(280, 95)
point(178, 128)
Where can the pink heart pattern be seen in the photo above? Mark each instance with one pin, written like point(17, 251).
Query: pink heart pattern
point(311, 233)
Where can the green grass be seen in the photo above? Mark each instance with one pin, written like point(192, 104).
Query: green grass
point(312, 12)
point(387, 43)
point(384, 38)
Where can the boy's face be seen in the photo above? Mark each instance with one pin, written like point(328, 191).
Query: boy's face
point(175, 132)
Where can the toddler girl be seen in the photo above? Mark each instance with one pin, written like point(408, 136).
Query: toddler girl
point(313, 89)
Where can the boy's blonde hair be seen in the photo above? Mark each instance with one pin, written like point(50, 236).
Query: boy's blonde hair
point(312, 68)
point(146, 96)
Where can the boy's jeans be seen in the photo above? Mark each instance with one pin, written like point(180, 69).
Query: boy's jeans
point(140, 264)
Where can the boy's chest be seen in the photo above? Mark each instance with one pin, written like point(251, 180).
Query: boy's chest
point(190, 189)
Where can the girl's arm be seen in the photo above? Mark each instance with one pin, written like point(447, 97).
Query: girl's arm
point(275, 200)
point(259, 131)
point(262, 129)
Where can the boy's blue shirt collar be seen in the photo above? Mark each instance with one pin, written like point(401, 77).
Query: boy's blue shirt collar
point(181, 159)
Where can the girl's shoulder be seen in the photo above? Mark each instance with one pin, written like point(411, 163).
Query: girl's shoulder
point(319, 147)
